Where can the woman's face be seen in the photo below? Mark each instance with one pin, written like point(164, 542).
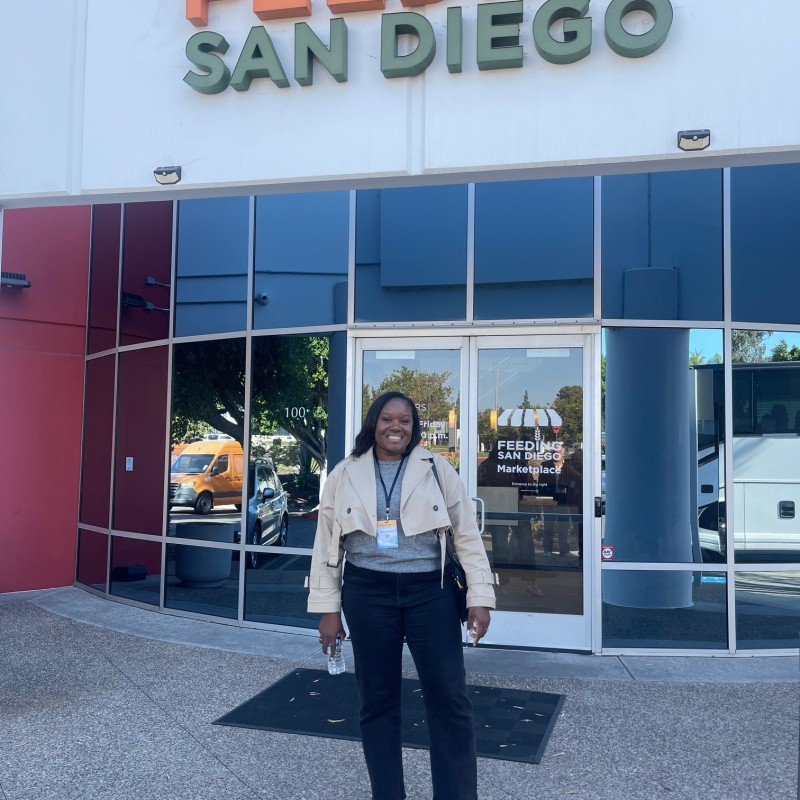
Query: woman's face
point(393, 430)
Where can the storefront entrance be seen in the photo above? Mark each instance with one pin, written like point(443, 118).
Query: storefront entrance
point(513, 415)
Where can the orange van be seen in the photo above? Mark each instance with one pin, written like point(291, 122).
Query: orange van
point(207, 474)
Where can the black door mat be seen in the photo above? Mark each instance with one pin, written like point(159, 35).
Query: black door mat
point(510, 724)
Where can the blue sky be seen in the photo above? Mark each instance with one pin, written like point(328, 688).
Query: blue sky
point(709, 342)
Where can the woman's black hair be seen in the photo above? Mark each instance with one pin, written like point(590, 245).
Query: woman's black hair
point(366, 436)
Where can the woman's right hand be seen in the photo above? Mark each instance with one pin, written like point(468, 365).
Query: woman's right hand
point(329, 627)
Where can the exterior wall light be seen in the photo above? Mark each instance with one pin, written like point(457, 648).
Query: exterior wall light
point(166, 176)
point(694, 140)
point(11, 280)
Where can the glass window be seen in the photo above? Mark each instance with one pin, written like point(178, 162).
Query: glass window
point(146, 272)
point(662, 245)
point(98, 432)
point(534, 249)
point(411, 254)
point(432, 378)
point(275, 591)
point(767, 609)
point(766, 446)
point(136, 570)
point(92, 566)
point(663, 445)
point(301, 279)
point(530, 475)
point(104, 278)
point(765, 243)
point(289, 440)
point(141, 446)
point(204, 580)
point(696, 618)
point(207, 430)
point(213, 245)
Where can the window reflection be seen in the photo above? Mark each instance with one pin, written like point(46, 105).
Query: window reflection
point(530, 475)
point(275, 591)
point(136, 570)
point(288, 440)
point(663, 401)
point(206, 432)
point(98, 433)
point(92, 559)
point(766, 446)
point(698, 623)
point(146, 269)
point(140, 451)
point(104, 280)
point(767, 609)
point(203, 580)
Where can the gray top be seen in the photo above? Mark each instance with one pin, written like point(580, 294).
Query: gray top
point(420, 553)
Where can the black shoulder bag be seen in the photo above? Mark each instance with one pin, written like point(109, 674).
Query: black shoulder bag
point(459, 576)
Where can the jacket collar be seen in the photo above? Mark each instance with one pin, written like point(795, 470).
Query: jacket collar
point(362, 474)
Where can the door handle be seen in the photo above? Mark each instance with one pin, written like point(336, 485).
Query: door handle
point(599, 506)
point(482, 523)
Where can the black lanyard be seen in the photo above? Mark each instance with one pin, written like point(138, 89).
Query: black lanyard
point(388, 495)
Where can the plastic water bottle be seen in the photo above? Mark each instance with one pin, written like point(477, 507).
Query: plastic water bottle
point(336, 661)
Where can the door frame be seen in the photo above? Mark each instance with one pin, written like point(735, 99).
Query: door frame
point(515, 629)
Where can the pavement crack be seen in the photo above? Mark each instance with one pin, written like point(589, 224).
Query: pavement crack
point(3, 793)
point(203, 746)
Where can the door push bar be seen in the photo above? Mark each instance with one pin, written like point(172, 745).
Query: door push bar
point(481, 514)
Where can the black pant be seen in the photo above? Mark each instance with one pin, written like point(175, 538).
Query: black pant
point(381, 608)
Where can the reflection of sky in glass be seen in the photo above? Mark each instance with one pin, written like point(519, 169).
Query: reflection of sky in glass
point(510, 373)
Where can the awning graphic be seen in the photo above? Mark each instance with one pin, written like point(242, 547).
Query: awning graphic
point(530, 418)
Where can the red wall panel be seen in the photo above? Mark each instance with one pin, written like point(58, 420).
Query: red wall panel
point(42, 340)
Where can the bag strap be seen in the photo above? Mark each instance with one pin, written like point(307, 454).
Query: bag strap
point(448, 537)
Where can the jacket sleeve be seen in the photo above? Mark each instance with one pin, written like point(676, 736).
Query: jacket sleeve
point(325, 581)
point(466, 538)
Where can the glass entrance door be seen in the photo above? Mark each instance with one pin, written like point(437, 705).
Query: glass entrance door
point(510, 413)
point(531, 426)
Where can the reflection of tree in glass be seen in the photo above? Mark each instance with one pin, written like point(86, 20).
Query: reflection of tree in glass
point(568, 403)
point(428, 389)
point(289, 389)
point(208, 389)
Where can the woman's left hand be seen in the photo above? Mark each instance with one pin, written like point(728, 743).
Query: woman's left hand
point(478, 619)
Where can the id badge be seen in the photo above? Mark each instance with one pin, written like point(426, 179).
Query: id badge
point(387, 534)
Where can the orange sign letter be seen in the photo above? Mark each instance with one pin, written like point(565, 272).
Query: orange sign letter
point(197, 12)
point(282, 9)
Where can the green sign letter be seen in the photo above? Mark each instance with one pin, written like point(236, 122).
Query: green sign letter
point(577, 31)
point(454, 37)
point(628, 44)
point(200, 50)
point(498, 35)
point(307, 47)
point(415, 62)
point(258, 60)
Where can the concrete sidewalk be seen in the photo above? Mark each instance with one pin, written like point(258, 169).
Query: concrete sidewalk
point(103, 700)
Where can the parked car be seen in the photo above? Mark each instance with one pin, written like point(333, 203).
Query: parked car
point(207, 474)
point(267, 509)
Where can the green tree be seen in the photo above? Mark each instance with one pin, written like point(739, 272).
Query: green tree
point(289, 384)
point(429, 390)
point(782, 352)
point(748, 347)
point(696, 358)
point(569, 405)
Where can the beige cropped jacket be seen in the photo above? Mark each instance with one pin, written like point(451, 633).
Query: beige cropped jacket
point(349, 503)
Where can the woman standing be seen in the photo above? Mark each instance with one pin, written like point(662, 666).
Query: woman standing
point(384, 510)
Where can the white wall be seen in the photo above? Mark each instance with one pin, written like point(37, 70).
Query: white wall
point(93, 100)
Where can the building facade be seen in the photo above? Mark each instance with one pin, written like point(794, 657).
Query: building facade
point(591, 298)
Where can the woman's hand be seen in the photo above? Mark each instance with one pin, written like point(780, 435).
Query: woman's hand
point(478, 619)
point(329, 626)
